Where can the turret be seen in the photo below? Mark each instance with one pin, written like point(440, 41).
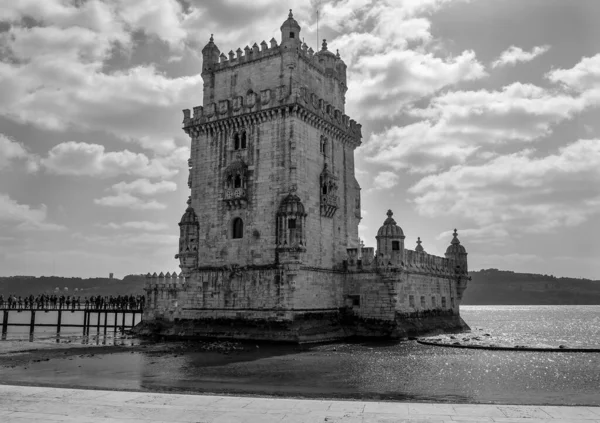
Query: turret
point(290, 33)
point(210, 59)
point(210, 56)
point(390, 243)
point(458, 253)
point(188, 240)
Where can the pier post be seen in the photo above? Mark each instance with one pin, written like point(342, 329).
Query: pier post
point(32, 323)
point(4, 324)
point(123, 322)
point(115, 322)
point(59, 322)
point(105, 322)
point(85, 313)
point(98, 324)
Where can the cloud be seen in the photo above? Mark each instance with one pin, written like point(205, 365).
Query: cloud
point(385, 180)
point(84, 159)
point(129, 201)
point(11, 151)
point(137, 225)
point(25, 217)
point(518, 193)
point(145, 187)
point(514, 55)
point(582, 77)
point(466, 124)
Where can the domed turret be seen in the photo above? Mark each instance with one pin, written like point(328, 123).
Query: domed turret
point(188, 239)
point(455, 247)
point(290, 32)
point(458, 253)
point(390, 243)
point(389, 228)
point(210, 55)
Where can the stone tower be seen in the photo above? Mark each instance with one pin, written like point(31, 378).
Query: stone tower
point(272, 156)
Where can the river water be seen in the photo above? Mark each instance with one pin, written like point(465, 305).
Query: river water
point(390, 371)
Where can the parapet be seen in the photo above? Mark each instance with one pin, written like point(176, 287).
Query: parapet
point(165, 281)
point(256, 53)
point(269, 99)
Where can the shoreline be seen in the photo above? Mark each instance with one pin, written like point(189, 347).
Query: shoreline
point(33, 404)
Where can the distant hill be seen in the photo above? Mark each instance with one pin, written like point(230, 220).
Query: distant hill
point(26, 285)
point(502, 287)
point(487, 287)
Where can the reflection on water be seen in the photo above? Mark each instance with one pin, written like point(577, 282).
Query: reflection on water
point(399, 371)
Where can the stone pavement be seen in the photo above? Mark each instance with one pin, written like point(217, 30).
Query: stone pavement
point(38, 404)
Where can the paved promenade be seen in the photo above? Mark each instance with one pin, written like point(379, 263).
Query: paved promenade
point(37, 404)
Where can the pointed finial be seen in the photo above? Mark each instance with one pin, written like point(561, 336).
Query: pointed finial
point(419, 246)
point(419, 240)
point(211, 38)
point(189, 201)
point(455, 237)
point(324, 45)
point(290, 16)
point(337, 53)
point(389, 213)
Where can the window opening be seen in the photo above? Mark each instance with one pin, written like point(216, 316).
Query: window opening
point(292, 224)
point(238, 181)
point(433, 302)
point(443, 302)
point(243, 143)
point(396, 245)
point(422, 302)
point(238, 228)
point(236, 142)
point(229, 181)
point(411, 301)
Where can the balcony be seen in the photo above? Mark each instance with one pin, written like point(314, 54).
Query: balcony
point(235, 198)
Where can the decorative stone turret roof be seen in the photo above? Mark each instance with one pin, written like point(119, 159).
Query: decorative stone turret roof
point(390, 229)
point(189, 217)
point(290, 22)
point(291, 205)
point(324, 51)
point(210, 45)
point(419, 247)
point(455, 246)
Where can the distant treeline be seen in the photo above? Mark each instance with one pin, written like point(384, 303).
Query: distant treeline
point(31, 285)
point(502, 287)
point(487, 287)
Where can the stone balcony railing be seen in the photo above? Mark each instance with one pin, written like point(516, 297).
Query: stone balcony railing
point(235, 198)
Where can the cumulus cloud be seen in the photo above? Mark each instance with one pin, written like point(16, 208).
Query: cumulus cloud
point(514, 55)
point(143, 225)
point(144, 187)
point(23, 217)
point(582, 77)
point(461, 123)
point(385, 180)
point(11, 151)
point(518, 192)
point(129, 201)
point(78, 158)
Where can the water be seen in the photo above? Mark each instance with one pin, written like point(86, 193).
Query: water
point(395, 371)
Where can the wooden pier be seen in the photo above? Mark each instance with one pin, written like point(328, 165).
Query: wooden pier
point(92, 318)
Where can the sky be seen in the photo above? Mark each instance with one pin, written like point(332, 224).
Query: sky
point(479, 115)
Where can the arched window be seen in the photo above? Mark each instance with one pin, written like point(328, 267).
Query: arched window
point(324, 146)
point(229, 181)
point(324, 188)
point(238, 181)
point(243, 144)
point(236, 142)
point(238, 228)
